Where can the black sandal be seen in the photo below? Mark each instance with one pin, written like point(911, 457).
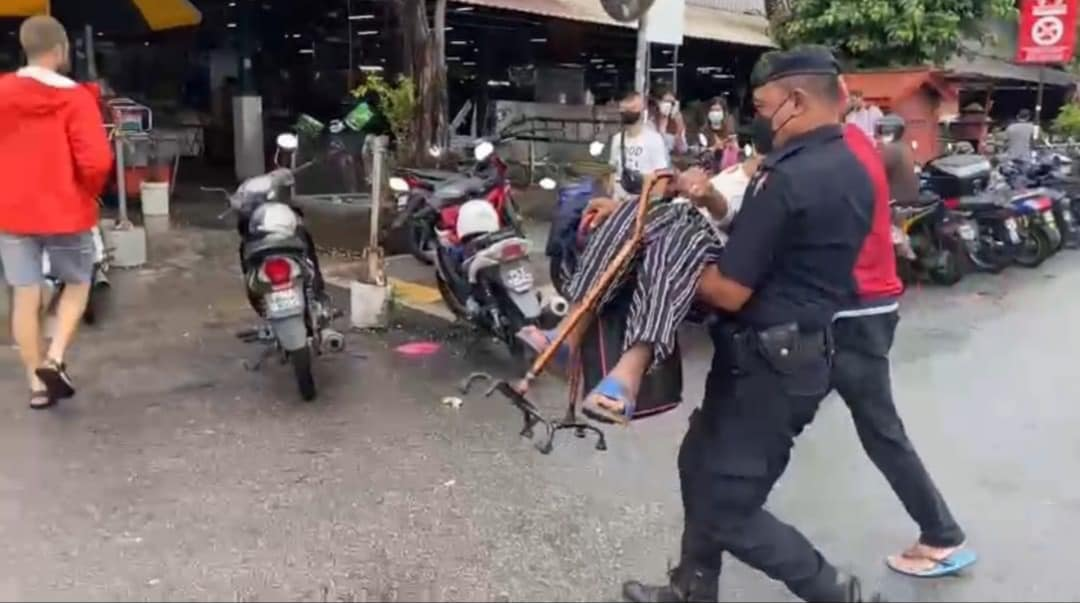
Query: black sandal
point(54, 375)
point(36, 400)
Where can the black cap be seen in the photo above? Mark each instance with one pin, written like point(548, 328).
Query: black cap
point(802, 60)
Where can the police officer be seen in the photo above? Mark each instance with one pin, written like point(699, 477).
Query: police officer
point(785, 272)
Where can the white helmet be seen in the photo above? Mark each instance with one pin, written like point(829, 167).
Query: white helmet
point(476, 217)
point(274, 220)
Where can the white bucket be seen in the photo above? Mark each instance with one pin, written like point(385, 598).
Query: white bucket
point(155, 198)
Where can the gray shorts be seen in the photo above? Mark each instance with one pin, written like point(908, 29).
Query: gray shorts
point(71, 258)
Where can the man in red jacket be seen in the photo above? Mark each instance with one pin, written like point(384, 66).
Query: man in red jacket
point(863, 334)
point(54, 161)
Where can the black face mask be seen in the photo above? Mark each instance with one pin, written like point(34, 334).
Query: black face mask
point(762, 133)
point(630, 118)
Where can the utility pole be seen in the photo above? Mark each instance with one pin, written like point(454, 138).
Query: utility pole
point(641, 65)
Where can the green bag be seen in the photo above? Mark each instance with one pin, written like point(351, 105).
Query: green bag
point(359, 117)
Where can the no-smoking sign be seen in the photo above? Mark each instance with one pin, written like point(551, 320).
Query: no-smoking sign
point(1047, 31)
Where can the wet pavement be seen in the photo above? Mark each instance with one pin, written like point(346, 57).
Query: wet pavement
point(177, 474)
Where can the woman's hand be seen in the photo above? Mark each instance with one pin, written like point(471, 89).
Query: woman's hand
point(599, 209)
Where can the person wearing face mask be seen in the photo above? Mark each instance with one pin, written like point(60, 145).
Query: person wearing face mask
point(55, 159)
point(668, 120)
point(720, 136)
point(897, 157)
point(636, 150)
point(784, 273)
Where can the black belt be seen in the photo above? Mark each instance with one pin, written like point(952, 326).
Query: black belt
point(784, 347)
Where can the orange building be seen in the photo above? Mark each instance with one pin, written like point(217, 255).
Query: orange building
point(922, 96)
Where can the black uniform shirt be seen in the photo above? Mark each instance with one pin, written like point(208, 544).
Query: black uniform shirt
point(802, 224)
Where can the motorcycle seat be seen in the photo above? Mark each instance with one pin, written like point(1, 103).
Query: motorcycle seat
point(460, 188)
point(265, 246)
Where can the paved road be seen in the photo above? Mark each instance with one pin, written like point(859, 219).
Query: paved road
point(178, 475)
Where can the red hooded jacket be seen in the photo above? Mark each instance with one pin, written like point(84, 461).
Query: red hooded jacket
point(875, 269)
point(54, 154)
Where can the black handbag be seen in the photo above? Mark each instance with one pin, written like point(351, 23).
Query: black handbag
point(661, 390)
point(631, 180)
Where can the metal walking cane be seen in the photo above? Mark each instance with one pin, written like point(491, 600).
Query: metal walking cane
point(515, 392)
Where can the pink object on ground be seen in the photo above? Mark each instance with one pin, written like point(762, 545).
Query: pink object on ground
point(417, 349)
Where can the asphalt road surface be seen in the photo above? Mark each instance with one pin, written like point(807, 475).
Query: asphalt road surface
point(176, 474)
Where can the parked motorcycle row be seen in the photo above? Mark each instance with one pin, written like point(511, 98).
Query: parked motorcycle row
point(977, 214)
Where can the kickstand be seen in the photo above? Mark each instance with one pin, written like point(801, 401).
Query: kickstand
point(532, 417)
point(255, 365)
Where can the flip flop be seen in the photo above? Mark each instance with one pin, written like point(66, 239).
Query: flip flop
point(41, 400)
point(950, 565)
point(528, 337)
point(612, 389)
point(54, 375)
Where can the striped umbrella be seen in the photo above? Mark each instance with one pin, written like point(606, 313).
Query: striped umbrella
point(110, 16)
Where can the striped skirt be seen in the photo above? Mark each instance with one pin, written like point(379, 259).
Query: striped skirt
point(678, 243)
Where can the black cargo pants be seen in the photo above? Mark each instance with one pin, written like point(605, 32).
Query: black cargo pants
point(860, 374)
point(737, 447)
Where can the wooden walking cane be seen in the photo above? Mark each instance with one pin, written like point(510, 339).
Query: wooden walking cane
point(515, 392)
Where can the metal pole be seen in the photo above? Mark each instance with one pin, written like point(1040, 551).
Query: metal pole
point(121, 184)
point(1039, 103)
point(641, 64)
point(348, 22)
point(675, 72)
point(88, 46)
point(376, 189)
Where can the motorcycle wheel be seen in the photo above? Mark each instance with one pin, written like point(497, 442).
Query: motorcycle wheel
point(1035, 247)
point(905, 269)
point(949, 269)
point(305, 380)
point(456, 307)
point(421, 242)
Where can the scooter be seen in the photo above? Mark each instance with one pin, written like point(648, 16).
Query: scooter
point(429, 201)
point(1039, 234)
point(931, 242)
point(281, 273)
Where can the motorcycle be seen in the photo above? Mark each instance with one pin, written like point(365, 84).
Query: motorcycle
point(930, 241)
point(428, 201)
point(961, 181)
point(99, 281)
point(281, 273)
point(566, 238)
point(481, 257)
point(1039, 235)
point(1050, 173)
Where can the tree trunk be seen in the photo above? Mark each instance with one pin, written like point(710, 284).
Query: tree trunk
point(426, 65)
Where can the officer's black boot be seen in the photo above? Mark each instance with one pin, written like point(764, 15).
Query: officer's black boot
point(686, 584)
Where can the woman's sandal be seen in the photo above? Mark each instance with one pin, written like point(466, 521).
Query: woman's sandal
point(41, 400)
point(614, 390)
point(54, 375)
point(951, 564)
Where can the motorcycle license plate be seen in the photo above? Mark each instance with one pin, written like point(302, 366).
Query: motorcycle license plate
point(517, 277)
point(966, 232)
point(284, 303)
point(1014, 236)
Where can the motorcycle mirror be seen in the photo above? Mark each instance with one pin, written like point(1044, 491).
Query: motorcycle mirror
point(704, 142)
point(288, 142)
point(483, 150)
point(548, 184)
point(596, 148)
point(435, 151)
point(398, 185)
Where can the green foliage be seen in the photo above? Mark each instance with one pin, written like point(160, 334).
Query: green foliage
point(397, 102)
point(882, 33)
point(1067, 123)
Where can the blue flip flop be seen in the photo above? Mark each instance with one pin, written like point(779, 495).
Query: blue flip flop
point(958, 561)
point(612, 389)
point(562, 355)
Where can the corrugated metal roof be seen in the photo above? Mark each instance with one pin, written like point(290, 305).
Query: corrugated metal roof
point(992, 68)
point(701, 22)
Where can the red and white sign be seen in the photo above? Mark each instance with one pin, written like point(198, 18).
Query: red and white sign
point(1047, 31)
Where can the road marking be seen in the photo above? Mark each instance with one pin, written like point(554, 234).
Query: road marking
point(415, 293)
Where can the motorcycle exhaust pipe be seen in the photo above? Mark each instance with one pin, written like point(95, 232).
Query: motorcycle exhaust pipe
point(558, 306)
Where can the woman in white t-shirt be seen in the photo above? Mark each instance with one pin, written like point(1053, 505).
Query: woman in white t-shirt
point(680, 240)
